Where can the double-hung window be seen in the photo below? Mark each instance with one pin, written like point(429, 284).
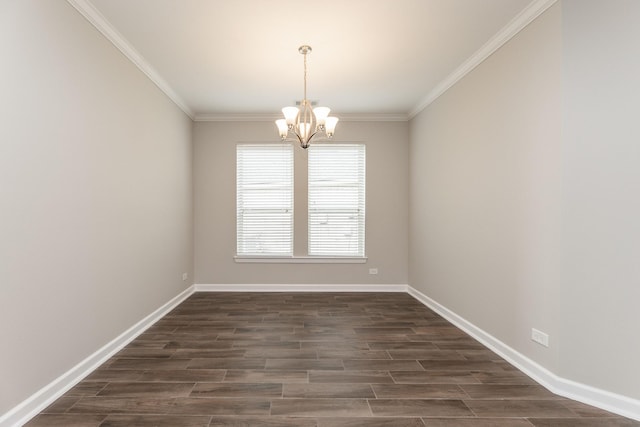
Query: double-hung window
point(335, 219)
point(264, 192)
point(336, 200)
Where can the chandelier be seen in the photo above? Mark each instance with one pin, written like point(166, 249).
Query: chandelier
point(305, 123)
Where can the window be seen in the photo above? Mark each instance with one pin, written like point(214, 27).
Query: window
point(336, 200)
point(264, 199)
point(335, 219)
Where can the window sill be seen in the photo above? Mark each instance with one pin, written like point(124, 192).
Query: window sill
point(300, 259)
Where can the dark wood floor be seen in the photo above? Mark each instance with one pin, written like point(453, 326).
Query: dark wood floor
point(311, 359)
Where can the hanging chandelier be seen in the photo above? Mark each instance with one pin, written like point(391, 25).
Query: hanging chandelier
point(305, 123)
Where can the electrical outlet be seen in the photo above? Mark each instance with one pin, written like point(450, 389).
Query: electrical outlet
point(540, 337)
point(373, 271)
point(185, 276)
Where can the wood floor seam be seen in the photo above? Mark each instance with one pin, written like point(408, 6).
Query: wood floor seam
point(230, 359)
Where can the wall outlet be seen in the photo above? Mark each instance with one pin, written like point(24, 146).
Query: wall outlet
point(185, 276)
point(373, 271)
point(540, 337)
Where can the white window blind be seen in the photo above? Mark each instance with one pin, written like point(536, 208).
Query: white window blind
point(337, 199)
point(264, 185)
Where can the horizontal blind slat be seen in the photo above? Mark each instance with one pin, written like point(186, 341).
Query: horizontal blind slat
point(264, 199)
point(336, 195)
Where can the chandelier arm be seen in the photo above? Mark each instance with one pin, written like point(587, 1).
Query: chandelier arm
point(304, 144)
point(312, 135)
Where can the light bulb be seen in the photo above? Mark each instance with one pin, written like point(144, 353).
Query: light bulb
point(330, 125)
point(303, 130)
point(290, 114)
point(321, 114)
point(283, 129)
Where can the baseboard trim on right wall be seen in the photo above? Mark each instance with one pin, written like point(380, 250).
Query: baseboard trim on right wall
point(612, 402)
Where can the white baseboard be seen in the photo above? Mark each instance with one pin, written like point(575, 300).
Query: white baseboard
point(30, 407)
point(612, 402)
point(603, 399)
point(33, 405)
point(298, 288)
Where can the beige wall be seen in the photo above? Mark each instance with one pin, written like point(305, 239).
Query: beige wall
point(484, 196)
point(95, 195)
point(519, 186)
point(523, 202)
point(601, 232)
point(215, 219)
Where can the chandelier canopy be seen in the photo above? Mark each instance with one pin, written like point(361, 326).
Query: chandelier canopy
point(305, 123)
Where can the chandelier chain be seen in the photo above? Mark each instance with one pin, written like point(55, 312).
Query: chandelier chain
point(305, 78)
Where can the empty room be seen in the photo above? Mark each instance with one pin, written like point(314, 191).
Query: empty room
point(346, 213)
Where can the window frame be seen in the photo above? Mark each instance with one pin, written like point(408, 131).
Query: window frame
point(298, 186)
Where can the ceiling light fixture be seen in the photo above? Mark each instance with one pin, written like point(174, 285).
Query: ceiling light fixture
point(305, 123)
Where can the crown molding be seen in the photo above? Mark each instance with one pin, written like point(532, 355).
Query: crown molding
point(236, 117)
point(374, 117)
point(524, 18)
point(268, 117)
point(91, 14)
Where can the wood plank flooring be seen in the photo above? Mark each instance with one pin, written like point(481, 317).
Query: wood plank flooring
point(311, 360)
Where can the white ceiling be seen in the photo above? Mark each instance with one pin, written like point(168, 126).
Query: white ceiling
point(218, 58)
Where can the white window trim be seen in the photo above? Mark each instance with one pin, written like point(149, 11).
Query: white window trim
point(299, 260)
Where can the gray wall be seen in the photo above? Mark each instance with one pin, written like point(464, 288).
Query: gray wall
point(95, 195)
point(600, 330)
point(521, 196)
point(215, 204)
point(523, 202)
point(484, 196)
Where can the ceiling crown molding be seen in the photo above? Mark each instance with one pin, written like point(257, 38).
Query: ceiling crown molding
point(268, 117)
point(92, 15)
point(235, 117)
point(524, 18)
point(374, 117)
